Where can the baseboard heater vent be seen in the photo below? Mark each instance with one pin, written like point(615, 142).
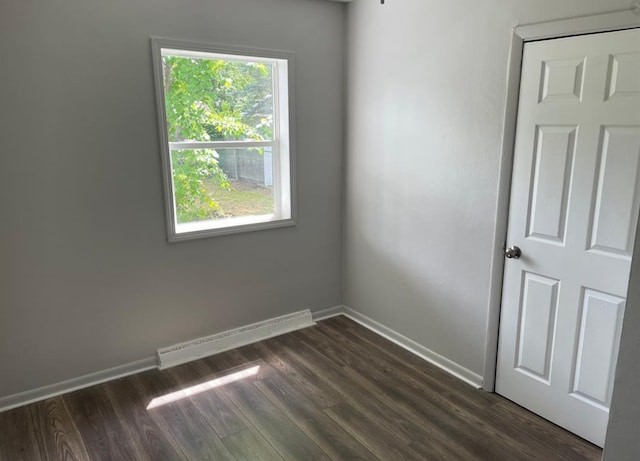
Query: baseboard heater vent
point(231, 339)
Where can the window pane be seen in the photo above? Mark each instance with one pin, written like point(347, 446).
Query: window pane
point(218, 100)
point(222, 183)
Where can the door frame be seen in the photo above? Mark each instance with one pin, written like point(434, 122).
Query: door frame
point(606, 22)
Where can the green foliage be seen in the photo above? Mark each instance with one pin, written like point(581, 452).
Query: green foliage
point(190, 168)
point(212, 100)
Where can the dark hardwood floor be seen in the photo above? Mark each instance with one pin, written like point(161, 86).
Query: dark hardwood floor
point(333, 391)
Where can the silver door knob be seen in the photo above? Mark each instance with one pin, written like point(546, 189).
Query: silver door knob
point(513, 252)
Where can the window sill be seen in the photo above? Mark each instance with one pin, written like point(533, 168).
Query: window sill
point(227, 226)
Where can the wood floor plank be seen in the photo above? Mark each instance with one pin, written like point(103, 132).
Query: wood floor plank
point(182, 421)
point(18, 440)
point(219, 412)
point(56, 431)
point(419, 417)
point(130, 406)
point(287, 438)
point(458, 425)
point(363, 395)
point(430, 450)
point(250, 444)
point(446, 421)
point(100, 428)
point(278, 358)
point(225, 362)
point(432, 373)
point(310, 418)
point(536, 432)
point(290, 393)
point(498, 436)
point(380, 348)
point(376, 438)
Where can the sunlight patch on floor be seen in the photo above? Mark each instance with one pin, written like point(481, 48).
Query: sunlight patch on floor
point(202, 387)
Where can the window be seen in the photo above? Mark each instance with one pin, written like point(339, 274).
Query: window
point(225, 137)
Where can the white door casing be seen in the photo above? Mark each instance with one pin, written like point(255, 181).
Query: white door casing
point(573, 211)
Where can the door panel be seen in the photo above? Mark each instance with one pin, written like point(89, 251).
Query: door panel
point(616, 210)
point(537, 325)
point(599, 336)
point(624, 76)
point(561, 80)
point(574, 207)
point(553, 160)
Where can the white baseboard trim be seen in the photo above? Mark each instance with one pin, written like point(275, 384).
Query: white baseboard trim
point(327, 313)
point(232, 339)
point(74, 384)
point(410, 345)
point(203, 347)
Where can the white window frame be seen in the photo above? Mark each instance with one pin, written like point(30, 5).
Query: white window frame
point(282, 145)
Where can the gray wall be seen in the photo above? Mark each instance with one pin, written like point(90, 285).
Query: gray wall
point(87, 279)
point(426, 95)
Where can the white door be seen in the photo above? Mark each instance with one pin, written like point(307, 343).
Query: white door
point(573, 212)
